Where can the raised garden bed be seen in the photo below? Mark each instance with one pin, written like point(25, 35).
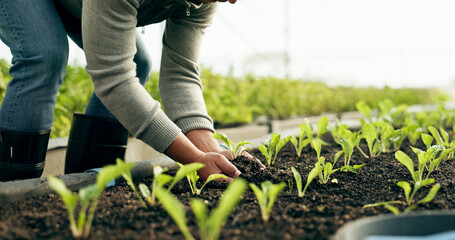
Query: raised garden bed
point(324, 208)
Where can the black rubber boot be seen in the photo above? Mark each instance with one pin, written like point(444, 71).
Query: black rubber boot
point(94, 142)
point(22, 154)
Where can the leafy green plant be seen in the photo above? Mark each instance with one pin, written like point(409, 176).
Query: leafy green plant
point(266, 196)
point(327, 168)
point(413, 130)
point(390, 138)
point(126, 173)
point(409, 193)
point(235, 150)
point(175, 209)
point(87, 198)
point(428, 161)
point(339, 131)
point(160, 179)
point(302, 142)
point(274, 145)
point(442, 138)
point(363, 108)
point(348, 146)
point(209, 226)
point(192, 178)
point(371, 136)
point(314, 173)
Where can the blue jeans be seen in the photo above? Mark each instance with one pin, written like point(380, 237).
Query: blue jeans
point(37, 38)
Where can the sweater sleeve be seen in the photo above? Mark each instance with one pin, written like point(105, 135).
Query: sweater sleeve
point(180, 84)
point(108, 29)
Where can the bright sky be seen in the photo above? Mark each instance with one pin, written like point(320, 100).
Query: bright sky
point(343, 42)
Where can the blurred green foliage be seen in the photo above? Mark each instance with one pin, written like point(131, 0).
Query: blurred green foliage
point(232, 100)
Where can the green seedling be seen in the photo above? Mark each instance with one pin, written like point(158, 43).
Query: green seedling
point(428, 161)
point(348, 146)
point(266, 196)
point(340, 131)
point(129, 180)
point(409, 195)
point(159, 180)
point(327, 168)
point(235, 150)
point(192, 178)
point(274, 145)
point(87, 198)
point(413, 130)
point(442, 138)
point(386, 132)
point(323, 123)
point(175, 210)
point(314, 173)
point(317, 145)
point(392, 114)
point(209, 226)
point(303, 140)
point(371, 136)
point(306, 134)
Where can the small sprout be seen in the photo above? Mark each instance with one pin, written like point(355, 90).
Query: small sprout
point(327, 169)
point(428, 160)
point(317, 145)
point(303, 140)
point(340, 131)
point(129, 180)
point(175, 209)
point(443, 139)
point(87, 198)
point(266, 196)
point(314, 173)
point(209, 226)
point(274, 145)
point(390, 138)
point(188, 170)
point(159, 180)
point(348, 146)
point(370, 134)
point(235, 150)
point(409, 196)
point(192, 178)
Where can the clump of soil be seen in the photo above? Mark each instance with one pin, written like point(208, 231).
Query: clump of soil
point(317, 215)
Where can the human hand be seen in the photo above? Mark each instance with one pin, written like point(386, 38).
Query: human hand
point(228, 155)
point(216, 163)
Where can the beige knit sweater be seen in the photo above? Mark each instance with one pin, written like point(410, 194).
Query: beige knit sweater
point(108, 29)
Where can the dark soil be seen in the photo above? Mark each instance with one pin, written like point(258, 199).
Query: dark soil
point(323, 209)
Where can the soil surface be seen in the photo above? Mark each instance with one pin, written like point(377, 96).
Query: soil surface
point(317, 215)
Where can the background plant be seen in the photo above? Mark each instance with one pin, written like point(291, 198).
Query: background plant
point(233, 100)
